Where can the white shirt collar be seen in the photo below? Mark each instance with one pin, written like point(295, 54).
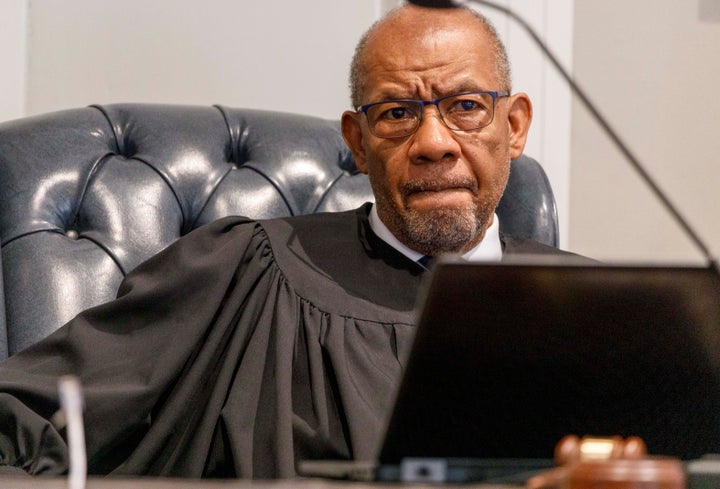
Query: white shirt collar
point(488, 250)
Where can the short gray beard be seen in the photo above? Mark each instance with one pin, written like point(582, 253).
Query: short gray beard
point(443, 230)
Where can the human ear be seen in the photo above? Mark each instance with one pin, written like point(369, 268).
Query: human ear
point(520, 114)
point(352, 134)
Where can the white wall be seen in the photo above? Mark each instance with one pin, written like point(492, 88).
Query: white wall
point(653, 67)
point(13, 53)
point(272, 54)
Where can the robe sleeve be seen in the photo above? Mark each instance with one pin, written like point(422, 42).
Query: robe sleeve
point(224, 356)
point(170, 320)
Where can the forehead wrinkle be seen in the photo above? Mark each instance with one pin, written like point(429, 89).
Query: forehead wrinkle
point(401, 83)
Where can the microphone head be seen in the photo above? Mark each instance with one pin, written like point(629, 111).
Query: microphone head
point(437, 3)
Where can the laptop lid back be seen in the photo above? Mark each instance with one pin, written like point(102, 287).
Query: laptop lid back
point(510, 358)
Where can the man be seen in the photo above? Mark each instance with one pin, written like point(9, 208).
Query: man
point(247, 346)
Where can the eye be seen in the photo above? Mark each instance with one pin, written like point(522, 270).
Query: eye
point(396, 112)
point(467, 105)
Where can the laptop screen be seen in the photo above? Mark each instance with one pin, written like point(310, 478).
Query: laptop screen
point(509, 358)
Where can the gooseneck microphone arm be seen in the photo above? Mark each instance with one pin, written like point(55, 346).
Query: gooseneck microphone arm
point(611, 133)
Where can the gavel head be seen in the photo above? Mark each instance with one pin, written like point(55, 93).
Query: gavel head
point(573, 449)
point(614, 463)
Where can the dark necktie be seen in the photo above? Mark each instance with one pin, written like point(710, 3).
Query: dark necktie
point(426, 261)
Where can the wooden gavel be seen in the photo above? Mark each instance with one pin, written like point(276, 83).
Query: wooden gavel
point(608, 463)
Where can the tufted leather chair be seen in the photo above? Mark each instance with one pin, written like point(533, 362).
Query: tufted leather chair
point(87, 194)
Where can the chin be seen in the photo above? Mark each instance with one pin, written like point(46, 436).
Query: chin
point(448, 229)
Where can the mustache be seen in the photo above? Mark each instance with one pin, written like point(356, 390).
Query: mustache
point(438, 184)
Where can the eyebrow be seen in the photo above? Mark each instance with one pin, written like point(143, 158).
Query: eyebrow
point(462, 88)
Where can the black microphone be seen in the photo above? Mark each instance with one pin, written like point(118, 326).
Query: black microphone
point(604, 124)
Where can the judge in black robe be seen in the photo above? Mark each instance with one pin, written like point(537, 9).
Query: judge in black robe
point(239, 350)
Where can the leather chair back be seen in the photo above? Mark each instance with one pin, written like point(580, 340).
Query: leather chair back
point(87, 194)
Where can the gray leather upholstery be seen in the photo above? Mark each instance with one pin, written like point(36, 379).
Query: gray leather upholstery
point(87, 194)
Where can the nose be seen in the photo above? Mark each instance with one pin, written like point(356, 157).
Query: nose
point(433, 141)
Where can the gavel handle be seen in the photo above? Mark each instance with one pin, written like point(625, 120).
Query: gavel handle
point(548, 479)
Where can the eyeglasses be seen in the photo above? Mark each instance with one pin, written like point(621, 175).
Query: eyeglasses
point(466, 111)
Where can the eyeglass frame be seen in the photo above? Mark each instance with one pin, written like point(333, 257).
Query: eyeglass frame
point(424, 103)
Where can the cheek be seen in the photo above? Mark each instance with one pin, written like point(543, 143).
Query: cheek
point(491, 141)
point(488, 158)
point(387, 163)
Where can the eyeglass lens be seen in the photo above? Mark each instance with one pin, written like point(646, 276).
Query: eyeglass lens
point(463, 112)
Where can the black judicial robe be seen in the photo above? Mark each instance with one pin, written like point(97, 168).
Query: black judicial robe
point(240, 349)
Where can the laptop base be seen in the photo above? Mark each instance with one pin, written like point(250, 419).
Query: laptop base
point(421, 470)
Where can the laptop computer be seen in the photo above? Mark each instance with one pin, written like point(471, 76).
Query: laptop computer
point(509, 358)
